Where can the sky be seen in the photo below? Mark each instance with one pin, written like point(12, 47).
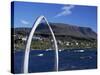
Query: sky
point(25, 14)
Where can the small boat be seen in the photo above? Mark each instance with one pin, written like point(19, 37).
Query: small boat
point(48, 49)
point(60, 50)
point(81, 50)
point(40, 54)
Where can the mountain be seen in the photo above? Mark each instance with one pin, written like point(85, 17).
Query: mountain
point(61, 29)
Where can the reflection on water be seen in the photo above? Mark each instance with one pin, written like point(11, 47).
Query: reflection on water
point(44, 61)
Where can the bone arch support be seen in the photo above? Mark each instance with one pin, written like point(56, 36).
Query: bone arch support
point(27, 49)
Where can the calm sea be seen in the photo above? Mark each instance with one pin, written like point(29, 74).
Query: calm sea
point(44, 61)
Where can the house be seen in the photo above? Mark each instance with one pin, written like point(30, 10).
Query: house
point(24, 38)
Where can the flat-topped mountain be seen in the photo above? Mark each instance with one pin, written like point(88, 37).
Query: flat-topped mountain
point(61, 30)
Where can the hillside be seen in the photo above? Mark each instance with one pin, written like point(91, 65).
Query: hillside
point(61, 30)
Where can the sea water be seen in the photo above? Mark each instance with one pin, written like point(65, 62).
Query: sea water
point(44, 61)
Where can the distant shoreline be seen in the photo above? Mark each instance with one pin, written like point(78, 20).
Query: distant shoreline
point(60, 49)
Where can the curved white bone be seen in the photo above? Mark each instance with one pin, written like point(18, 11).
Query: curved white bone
point(27, 50)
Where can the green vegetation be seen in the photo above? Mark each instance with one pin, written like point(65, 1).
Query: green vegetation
point(68, 37)
point(47, 43)
point(36, 44)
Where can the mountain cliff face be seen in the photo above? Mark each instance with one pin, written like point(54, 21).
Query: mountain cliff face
point(62, 29)
point(76, 31)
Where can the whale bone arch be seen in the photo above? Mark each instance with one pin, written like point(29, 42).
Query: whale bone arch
point(27, 49)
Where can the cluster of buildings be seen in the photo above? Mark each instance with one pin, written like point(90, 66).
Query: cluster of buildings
point(63, 43)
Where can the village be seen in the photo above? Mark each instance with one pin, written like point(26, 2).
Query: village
point(43, 43)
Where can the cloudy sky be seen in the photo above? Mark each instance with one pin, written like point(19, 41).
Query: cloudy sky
point(25, 14)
